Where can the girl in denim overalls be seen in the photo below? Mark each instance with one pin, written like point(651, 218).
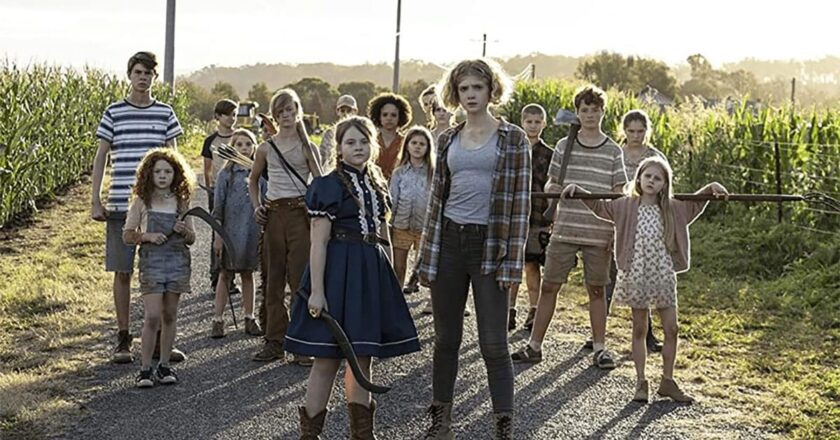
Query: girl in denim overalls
point(162, 195)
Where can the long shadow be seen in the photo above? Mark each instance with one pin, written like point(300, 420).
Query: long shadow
point(654, 411)
point(629, 409)
point(549, 404)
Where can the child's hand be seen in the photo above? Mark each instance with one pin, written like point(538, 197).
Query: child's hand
point(719, 190)
point(570, 189)
point(157, 238)
point(217, 246)
point(261, 215)
point(97, 212)
point(317, 303)
point(180, 227)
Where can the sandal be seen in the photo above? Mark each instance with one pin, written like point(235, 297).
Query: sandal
point(603, 359)
point(527, 355)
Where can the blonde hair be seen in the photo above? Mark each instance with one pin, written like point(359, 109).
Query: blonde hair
point(489, 71)
point(663, 199)
point(427, 105)
point(429, 158)
point(281, 99)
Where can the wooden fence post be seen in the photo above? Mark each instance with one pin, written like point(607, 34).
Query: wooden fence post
point(778, 161)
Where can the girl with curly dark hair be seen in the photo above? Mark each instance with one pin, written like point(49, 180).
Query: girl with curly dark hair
point(162, 194)
point(390, 114)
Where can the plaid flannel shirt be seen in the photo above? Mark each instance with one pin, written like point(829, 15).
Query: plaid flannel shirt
point(507, 231)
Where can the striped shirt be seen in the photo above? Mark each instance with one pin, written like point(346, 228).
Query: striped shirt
point(132, 131)
point(598, 168)
point(510, 204)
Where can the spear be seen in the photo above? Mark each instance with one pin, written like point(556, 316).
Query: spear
point(814, 197)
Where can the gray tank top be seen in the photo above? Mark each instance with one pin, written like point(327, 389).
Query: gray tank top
point(282, 183)
point(471, 182)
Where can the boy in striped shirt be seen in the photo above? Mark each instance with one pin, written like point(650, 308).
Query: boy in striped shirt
point(129, 128)
point(596, 163)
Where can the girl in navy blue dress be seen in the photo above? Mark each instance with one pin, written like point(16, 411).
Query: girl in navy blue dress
point(350, 276)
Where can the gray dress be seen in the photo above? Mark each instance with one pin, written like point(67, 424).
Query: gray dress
point(232, 208)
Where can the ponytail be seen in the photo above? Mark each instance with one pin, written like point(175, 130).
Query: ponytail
point(310, 153)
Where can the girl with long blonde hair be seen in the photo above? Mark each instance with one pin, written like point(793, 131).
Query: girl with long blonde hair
point(651, 247)
point(291, 161)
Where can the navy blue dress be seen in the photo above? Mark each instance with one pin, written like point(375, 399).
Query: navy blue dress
point(361, 289)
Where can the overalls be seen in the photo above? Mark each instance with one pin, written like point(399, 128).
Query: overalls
point(164, 268)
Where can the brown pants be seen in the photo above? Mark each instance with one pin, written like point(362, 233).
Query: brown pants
point(286, 251)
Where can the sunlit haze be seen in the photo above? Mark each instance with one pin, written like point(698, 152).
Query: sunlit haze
point(103, 33)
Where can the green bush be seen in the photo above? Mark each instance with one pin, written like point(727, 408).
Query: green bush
point(734, 147)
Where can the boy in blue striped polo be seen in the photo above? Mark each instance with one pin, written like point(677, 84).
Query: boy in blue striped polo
point(129, 128)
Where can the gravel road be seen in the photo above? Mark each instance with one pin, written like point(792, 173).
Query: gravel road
point(222, 394)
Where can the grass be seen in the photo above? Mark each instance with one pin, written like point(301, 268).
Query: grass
point(770, 342)
point(758, 315)
point(761, 343)
point(54, 302)
point(55, 308)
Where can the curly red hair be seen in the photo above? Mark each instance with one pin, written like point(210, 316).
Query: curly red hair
point(182, 181)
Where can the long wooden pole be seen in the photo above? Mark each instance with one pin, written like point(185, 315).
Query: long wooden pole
point(688, 196)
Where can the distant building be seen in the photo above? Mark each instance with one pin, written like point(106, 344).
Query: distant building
point(650, 95)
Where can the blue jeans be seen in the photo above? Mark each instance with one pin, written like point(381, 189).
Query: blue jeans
point(459, 267)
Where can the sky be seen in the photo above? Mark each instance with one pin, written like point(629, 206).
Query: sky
point(104, 33)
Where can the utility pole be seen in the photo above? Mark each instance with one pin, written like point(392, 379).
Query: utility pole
point(793, 92)
point(396, 86)
point(169, 51)
point(484, 46)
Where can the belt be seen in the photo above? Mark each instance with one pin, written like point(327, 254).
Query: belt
point(292, 202)
point(468, 227)
point(371, 239)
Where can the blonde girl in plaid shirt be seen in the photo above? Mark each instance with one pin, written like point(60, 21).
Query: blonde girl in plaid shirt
point(477, 239)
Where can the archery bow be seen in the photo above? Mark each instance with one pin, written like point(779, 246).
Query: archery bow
point(347, 349)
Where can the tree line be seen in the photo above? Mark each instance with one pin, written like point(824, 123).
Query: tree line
point(757, 80)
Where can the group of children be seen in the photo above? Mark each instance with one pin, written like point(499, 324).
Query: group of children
point(337, 222)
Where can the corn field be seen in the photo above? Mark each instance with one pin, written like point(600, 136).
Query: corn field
point(733, 146)
point(48, 117)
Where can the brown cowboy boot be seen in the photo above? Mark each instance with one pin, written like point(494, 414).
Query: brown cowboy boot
point(503, 429)
point(361, 421)
point(441, 428)
point(310, 427)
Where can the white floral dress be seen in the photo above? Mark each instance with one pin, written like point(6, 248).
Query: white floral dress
point(651, 281)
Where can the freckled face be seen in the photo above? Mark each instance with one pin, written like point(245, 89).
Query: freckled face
point(163, 174)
